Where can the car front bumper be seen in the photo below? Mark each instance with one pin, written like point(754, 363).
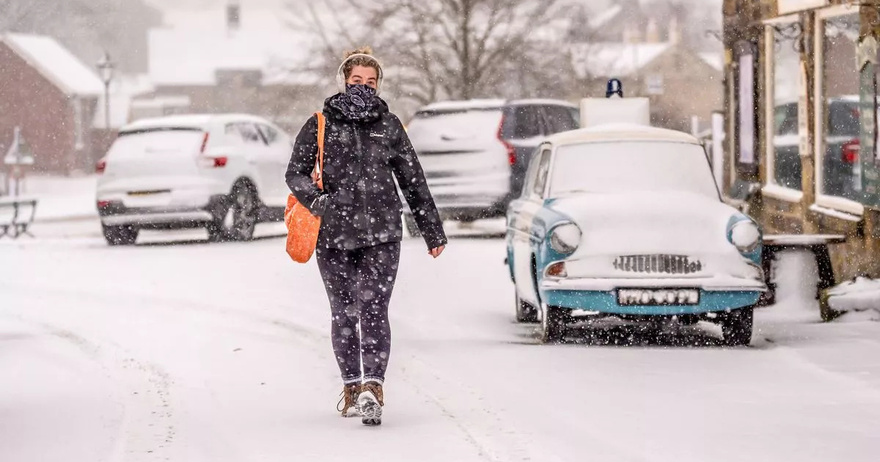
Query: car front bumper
point(719, 293)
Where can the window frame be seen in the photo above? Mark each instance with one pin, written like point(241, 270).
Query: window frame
point(236, 125)
point(819, 109)
point(265, 129)
point(770, 187)
point(528, 182)
point(548, 153)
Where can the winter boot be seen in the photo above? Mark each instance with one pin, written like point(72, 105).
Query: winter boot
point(370, 403)
point(347, 405)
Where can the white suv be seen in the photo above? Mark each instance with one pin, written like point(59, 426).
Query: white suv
point(475, 153)
point(222, 172)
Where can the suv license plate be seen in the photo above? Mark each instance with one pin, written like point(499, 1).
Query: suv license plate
point(657, 297)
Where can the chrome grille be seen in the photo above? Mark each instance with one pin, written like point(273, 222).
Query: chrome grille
point(664, 264)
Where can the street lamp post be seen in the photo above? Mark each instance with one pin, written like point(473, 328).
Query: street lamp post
point(106, 67)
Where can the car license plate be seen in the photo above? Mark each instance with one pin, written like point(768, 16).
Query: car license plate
point(657, 297)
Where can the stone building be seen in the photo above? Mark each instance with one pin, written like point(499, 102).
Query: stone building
point(801, 110)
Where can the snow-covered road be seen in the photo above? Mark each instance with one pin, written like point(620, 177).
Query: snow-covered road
point(196, 352)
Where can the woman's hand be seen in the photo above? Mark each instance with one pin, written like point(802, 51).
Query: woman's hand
point(436, 251)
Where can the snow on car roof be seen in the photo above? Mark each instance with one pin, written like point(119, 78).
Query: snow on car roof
point(198, 121)
point(56, 63)
point(464, 105)
point(620, 132)
point(545, 102)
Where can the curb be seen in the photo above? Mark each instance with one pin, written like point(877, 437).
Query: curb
point(65, 219)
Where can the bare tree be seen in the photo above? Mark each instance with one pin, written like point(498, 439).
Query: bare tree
point(456, 49)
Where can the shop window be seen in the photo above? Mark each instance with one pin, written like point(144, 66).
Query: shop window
point(838, 170)
point(785, 88)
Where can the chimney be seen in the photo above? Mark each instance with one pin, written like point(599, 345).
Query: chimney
point(652, 32)
point(631, 34)
point(674, 31)
point(233, 15)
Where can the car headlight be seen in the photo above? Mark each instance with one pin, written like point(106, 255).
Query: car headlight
point(565, 238)
point(745, 235)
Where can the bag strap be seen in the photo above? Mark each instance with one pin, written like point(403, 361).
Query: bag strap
point(319, 165)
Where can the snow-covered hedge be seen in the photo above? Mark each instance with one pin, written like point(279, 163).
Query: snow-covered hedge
point(860, 294)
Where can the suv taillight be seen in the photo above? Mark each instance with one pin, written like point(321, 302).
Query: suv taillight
point(101, 166)
point(511, 151)
point(849, 152)
point(213, 162)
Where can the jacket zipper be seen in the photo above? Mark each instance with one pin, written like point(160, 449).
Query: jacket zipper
point(363, 181)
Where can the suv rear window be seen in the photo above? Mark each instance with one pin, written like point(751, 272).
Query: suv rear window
point(454, 125)
point(560, 118)
point(164, 140)
point(522, 122)
point(843, 119)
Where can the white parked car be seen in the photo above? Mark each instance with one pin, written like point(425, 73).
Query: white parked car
point(222, 172)
point(626, 221)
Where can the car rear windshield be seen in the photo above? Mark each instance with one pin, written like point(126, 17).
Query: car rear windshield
point(843, 119)
point(632, 166)
point(454, 125)
point(164, 140)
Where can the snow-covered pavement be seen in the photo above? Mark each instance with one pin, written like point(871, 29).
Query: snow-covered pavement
point(198, 352)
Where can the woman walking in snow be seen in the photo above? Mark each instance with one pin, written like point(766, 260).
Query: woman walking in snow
point(365, 149)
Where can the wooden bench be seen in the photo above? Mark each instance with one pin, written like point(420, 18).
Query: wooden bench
point(817, 244)
point(16, 216)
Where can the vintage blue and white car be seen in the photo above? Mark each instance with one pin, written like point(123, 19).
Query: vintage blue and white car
point(626, 220)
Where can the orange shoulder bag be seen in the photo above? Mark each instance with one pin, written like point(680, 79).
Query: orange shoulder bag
point(302, 226)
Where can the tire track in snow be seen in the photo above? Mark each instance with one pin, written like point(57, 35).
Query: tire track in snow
point(142, 393)
point(493, 437)
point(797, 359)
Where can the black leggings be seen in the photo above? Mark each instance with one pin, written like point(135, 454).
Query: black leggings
point(359, 284)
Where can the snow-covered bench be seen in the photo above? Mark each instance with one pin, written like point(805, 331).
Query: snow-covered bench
point(858, 295)
point(815, 243)
point(16, 216)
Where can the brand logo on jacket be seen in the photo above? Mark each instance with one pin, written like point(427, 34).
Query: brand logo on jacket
point(377, 135)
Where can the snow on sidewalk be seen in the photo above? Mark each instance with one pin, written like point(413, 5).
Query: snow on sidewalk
point(62, 198)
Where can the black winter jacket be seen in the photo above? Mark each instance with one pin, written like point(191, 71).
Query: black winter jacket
point(360, 206)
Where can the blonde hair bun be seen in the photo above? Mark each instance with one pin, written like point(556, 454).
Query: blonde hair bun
point(364, 50)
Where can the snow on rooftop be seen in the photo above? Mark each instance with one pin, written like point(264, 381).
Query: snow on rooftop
point(602, 19)
point(614, 59)
point(56, 63)
point(192, 56)
point(716, 60)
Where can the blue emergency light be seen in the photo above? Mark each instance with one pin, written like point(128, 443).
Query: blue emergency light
point(615, 87)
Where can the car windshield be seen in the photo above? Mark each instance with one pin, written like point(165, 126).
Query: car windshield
point(629, 166)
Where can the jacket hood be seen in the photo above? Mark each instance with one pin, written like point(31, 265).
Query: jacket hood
point(332, 112)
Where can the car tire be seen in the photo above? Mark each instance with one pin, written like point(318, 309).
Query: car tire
point(411, 226)
point(525, 312)
point(120, 235)
point(239, 218)
point(552, 323)
point(736, 327)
